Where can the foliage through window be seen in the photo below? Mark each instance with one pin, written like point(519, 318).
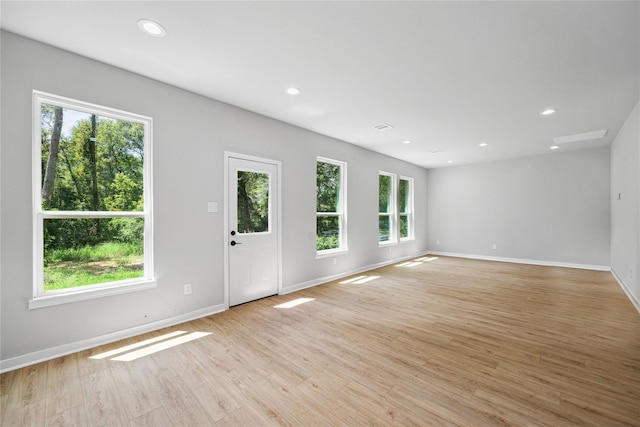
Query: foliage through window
point(386, 208)
point(253, 202)
point(405, 207)
point(330, 206)
point(92, 195)
point(395, 208)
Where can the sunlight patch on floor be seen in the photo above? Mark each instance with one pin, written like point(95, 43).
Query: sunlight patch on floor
point(359, 280)
point(294, 303)
point(150, 346)
point(146, 351)
point(137, 345)
point(416, 262)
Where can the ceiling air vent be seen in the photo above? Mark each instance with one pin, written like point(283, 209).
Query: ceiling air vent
point(382, 127)
point(580, 137)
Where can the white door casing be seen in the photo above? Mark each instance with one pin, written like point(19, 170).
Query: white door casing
point(252, 228)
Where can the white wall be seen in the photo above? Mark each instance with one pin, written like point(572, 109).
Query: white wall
point(625, 210)
point(191, 134)
point(552, 208)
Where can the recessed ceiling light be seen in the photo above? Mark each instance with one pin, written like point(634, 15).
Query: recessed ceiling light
point(449, 161)
point(548, 112)
point(483, 144)
point(553, 147)
point(293, 91)
point(152, 28)
point(406, 141)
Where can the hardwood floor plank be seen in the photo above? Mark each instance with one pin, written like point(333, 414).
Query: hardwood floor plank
point(64, 389)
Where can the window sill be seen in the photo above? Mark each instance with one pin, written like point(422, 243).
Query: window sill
point(52, 299)
point(385, 244)
point(331, 253)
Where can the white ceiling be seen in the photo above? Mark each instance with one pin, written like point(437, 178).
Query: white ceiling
point(447, 75)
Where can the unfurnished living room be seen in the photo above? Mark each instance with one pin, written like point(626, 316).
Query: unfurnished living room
point(320, 213)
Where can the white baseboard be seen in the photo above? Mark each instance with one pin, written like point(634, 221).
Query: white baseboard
point(74, 347)
point(634, 300)
point(524, 261)
point(326, 279)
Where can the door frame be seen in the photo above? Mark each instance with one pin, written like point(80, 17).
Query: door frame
point(278, 220)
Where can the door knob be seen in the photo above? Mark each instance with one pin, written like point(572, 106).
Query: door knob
point(233, 243)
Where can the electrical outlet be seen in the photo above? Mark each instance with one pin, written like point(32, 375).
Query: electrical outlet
point(494, 246)
point(187, 289)
point(438, 242)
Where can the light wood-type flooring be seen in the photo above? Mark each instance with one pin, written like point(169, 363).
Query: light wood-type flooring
point(432, 342)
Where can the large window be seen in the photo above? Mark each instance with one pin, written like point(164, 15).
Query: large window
point(386, 208)
point(331, 219)
point(91, 199)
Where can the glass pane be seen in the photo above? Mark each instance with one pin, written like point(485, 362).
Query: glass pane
point(327, 187)
point(86, 251)
point(404, 196)
point(384, 191)
point(253, 202)
point(90, 162)
point(328, 232)
point(384, 227)
point(404, 226)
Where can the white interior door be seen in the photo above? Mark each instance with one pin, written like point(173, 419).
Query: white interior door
point(253, 229)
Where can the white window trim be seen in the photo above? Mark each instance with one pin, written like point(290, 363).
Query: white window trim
point(393, 214)
point(342, 204)
point(410, 214)
point(42, 298)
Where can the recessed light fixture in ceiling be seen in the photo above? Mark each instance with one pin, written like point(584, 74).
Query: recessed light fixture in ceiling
point(548, 112)
point(293, 91)
point(553, 147)
point(449, 161)
point(406, 141)
point(152, 28)
point(482, 144)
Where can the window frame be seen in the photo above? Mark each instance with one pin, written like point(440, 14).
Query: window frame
point(341, 212)
point(393, 210)
point(409, 214)
point(42, 298)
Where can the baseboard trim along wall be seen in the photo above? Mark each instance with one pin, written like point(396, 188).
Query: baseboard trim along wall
point(634, 300)
point(525, 261)
point(74, 347)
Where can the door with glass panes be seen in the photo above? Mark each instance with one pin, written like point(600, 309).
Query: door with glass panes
point(253, 229)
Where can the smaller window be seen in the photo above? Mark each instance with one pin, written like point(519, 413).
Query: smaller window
point(386, 208)
point(405, 208)
point(331, 219)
